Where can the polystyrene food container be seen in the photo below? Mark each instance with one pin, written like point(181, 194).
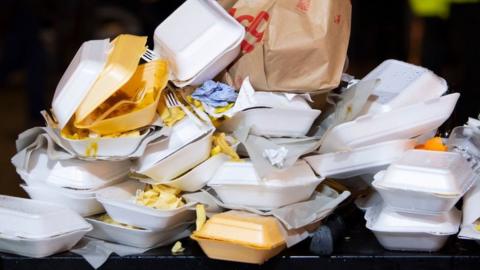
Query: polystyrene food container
point(141, 238)
point(425, 182)
point(41, 247)
point(471, 214)
point(75, 173)
point(402, 84)
point(182, 133)
point(83, 205)
point(199, 34)
point(273, 122)
point(402, 231)
point(241, 237)
point(180, 161)
point(120, 205)
point(237, 183)
point(368, 159)
point(37, 219)
point(401, 123)
point(84, 69)
point(198, 177)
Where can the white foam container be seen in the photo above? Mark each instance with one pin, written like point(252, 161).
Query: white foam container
point(402, 84)
point(198, 35)
point(401, 123)
point(237, 183)
point(180, 161)
point(401, 231)
point(368, 159)
point(84, 69)
point(141, 238)
point(198, 177)
point(106, 147)
point(83, 205)
point(120, 205)
point(74, 173)
point(37, 219)
point(425, 182)
point(43, 247)
point(273, 122)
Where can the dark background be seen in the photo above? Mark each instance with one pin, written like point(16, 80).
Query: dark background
point(39, 38)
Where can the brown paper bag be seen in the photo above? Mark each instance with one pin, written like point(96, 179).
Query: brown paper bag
point(292, 45)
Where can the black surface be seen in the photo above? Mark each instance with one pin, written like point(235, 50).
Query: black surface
point(357, 249)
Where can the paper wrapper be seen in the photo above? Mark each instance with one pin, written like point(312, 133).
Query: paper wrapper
point(292, 45)
point(96, 252)
point(471, 213)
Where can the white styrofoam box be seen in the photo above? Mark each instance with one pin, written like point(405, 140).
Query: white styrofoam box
point(368, 159)
point(86, 66)
point(470, 213)
point(182, 133)
point(466, 141)
point(37, 219)
point(141, 238)
point(198, 177)
point(425, 182)
point(237, 183)
point(74, 173)
point(84, 206)
point(401, 123)
point(105, 146)
point(41, 247)
point(402, 84)
point(180, 161)
point(402, 231)
point(273, 122)
point(195, 35)
point(120, 205)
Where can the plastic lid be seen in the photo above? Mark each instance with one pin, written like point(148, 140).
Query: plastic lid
point(37, 219)
point(381, 218)
point(207, 31)
point(79, 77)
point(244, 173)
point(243, 228)
point(121, 65)
point(445, 173)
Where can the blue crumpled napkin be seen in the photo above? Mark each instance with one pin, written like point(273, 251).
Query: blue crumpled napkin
point(215, 94)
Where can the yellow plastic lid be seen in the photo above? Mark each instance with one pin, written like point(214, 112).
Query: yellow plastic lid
point(121, 65)
point(244, 229)
point(127, 114)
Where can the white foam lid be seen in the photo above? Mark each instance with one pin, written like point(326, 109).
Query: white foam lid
point(77, 80)
point(194, 35)
point(438, 172)
point(382, 218)
point(243, 173)
point(37, 219)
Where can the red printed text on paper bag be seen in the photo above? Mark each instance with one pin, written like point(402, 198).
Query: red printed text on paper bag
point(254, 28)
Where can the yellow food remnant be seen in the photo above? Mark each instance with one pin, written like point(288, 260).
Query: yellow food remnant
point(224, 108)
point(433, 144)
point(476, 225)
point(201, 216)
point(177, 248)
point(220, 145)
point(170, 116)
point(160, 197)
point(92, 149)
point(107, 219)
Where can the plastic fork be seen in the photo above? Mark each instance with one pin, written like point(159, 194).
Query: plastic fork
point(149, 56)
point(172, 101)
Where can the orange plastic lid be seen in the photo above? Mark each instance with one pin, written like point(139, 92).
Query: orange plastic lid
point(243, 228)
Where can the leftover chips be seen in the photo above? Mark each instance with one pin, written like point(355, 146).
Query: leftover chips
point(159, 197)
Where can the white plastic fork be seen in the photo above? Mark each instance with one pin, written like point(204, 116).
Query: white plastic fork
point(172, 101)
point(149, 56)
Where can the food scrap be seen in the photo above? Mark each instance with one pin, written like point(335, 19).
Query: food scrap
point(160, 197)
point(433, 144)
point(201, 216)
point(177, 248)
point(221, 145)
point(107, 219)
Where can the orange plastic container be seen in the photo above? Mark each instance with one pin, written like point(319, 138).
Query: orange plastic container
point(241, 237)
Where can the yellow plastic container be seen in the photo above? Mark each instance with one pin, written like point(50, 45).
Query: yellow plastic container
point(121, 65)
point(150, 78)
point(241, 237)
